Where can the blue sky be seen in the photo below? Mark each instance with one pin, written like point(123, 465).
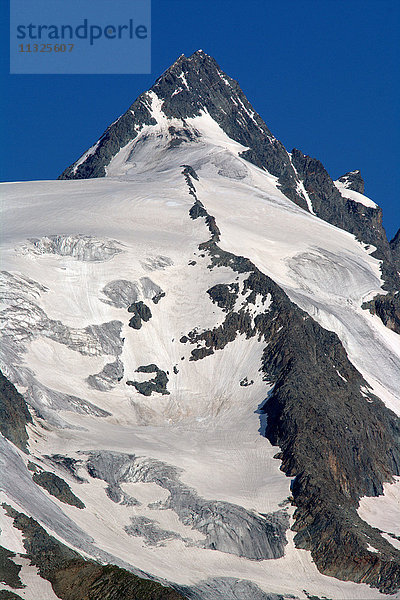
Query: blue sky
point(323, 74)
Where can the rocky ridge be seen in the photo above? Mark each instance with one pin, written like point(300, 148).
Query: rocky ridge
point(336, 438)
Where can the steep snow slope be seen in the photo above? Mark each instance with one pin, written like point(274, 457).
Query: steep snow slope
point(329, 269)
point(154, 470)
point(354, 195)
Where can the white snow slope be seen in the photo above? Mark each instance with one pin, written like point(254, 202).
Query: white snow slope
point(353, 195)
point(75, 255)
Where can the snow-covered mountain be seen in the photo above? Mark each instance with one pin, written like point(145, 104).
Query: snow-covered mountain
point(200, 365)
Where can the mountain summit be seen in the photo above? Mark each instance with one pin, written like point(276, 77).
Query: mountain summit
point(196, 86)
point(200, 368)
point(189, 88)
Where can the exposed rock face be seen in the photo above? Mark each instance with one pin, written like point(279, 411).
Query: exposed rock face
point(245, 382)
point(387, 307)
point(157, 384)
point(395, 248)
point(328, 204)
point(141, 312)
point(112, 140)
point(224, 296)
point(156, 299)
point(337, 439)
point(7, 595)
point(74, 578)
point(9, 571)
point(207, 88)
point(57, 487)
point(353, 181)
point(14, 414)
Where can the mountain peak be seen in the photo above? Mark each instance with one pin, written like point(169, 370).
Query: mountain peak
point(196, 87)
point(193, 83)
point(202, 55)
point(196, 62)
point(190, 87)
point(353, 181)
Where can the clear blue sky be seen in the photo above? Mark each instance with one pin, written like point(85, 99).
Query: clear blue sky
point(323, 74)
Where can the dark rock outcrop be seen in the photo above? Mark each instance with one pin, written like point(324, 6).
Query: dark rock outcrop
point(9, 571)
point(395, 248)
point(157, 384)
point(208, 87)
point(362, 221)
point(224, 295)
point(74, 578)
point(113, 139)
point(156, 299)
point(141, 312)
point(387, 307)
point(57, 487)
point(353, 181)
point(14, 414)
point(7, 595)
point(338, 441)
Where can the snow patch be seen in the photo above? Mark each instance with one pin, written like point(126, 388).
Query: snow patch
point(383, 511)
point(352, 195)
